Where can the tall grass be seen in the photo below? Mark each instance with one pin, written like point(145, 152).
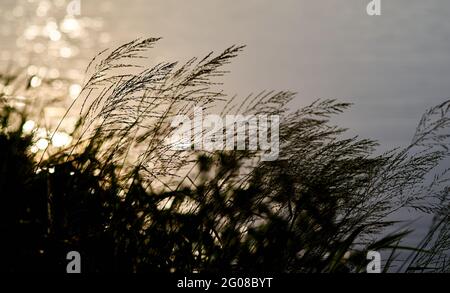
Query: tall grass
point(123, 198)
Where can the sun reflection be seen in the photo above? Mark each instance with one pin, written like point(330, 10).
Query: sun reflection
point(53, 49)
point(44, 33)
point(65, 52)
point(70, 25)
point(29, 126)
point(31, 32)
point(32, 70)
point(74, 90)
point(42, 144)
point(54, 35)
point(35, 81)
point(61, 139)
point(43, 139)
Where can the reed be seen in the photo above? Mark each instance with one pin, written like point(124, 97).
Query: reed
point(123, 198)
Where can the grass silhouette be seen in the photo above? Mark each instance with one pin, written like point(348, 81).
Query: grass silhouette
point(128, 202)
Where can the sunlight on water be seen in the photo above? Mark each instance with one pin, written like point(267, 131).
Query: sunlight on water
point(45, 45)
point(74, 90)
point(61, 139)
point(29, 126)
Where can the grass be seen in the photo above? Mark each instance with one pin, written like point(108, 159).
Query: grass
point(129, 203)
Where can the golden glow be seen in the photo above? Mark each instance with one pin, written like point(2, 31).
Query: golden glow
point(54, 35)
point(74, 90)
point(42, 144)
point(61, 139)
point(70, 25)
point(34, 149)
point(29, 126)
point(35, 81)
point(65, 52)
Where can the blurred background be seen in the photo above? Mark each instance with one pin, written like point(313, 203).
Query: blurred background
point(392, 66)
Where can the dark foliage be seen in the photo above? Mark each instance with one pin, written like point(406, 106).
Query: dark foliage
point(128, 202)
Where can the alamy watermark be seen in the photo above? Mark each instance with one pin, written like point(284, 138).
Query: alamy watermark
point(74, 264)
point(374, 8)
point(374, 265)
point(234, 132)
